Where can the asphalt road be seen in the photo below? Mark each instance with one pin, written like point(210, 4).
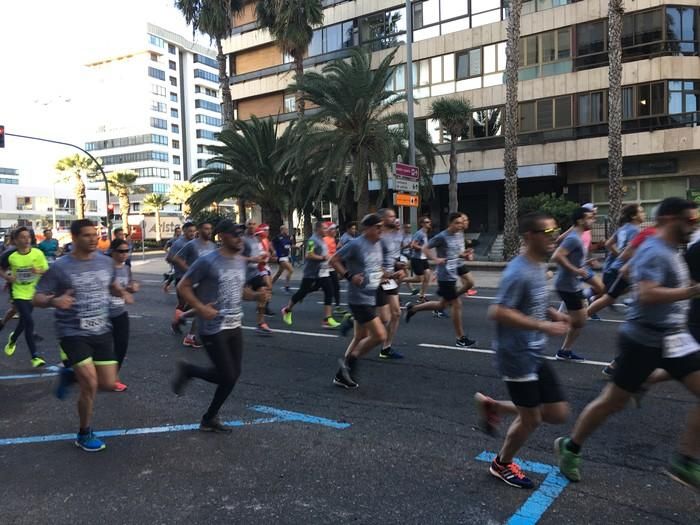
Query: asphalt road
point(401, 449)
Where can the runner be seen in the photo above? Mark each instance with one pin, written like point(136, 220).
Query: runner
point(49, 246)
point(654, 336)
point(26, 265)
point(406, 240)
point(331, 239)
point(283, 249)
point(419, 261)
point(360, 262)
point(189, 230)
point(316, 275)
point(78, 286)
point(214, 286)
point(262, 232)
point(520, 312)
point(463, 270)
point(183, 259)
point(8, 249)
point(388, 293)
point(349, 235)
point(253, 253)
point(169, 276)
point(103, 242)
point(570, 257)
point(118, 315)
point(449, 245)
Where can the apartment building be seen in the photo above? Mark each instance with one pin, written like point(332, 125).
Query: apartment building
point(163, 110)
point(459, 50)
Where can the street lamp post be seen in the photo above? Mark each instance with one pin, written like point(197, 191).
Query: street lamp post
point(99, 166)
point(409, 102)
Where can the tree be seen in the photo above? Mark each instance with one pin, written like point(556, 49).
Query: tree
point(511, 240)
point(180, 192)
point(354, 131)
point(291, 23)
point(615, 18)
point(453, 115)
point(74, 168)
point(555, 205)
point(249, 165)
point(215, 19)
point(121, 185)
point(154, 203)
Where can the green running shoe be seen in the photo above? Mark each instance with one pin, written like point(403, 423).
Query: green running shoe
point(569, 462)
point(286, 316)
point(330, 323)
point(11, 345)
point(685, 472)
point(38, 361)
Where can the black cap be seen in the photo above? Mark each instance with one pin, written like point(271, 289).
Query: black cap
point(371, 219)
point(228, 226)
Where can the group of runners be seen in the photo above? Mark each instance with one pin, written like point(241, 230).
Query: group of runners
point(90, 293)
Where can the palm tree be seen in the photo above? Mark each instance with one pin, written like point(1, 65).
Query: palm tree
point(352, 134)
point(154, 203)
point(215, 19)
point(120, 184)
point(511, 241)
point(453, 115)
point(179, 193)
point(615, 17)
point(291, 22)
point(75, 168)
point(253, 169)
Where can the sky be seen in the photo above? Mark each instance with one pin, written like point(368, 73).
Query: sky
point(43, 81)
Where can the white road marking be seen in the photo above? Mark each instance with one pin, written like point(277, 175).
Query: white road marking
point(294, 332)
point(487, 351)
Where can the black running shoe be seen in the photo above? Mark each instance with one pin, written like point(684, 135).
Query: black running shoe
point(343, 377)
point(340, 381)
point(180, 379)
point(409, 312)
point(465, 342)
point(389, 353)
point(214, 425)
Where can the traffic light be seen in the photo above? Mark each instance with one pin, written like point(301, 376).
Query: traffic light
point(2, 136)
point(110, 212)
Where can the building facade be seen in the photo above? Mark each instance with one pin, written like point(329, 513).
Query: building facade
point(163, 110)
point(459, 50)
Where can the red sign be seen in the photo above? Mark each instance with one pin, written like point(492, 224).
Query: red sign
point(405, 170)
point(135, 232)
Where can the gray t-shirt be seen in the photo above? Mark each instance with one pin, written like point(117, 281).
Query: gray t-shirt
point(623, 236)
point(177, 245)
point(567, 281)
point(122, 276)
point(346, 238)
point(314, 269)
point(524, 288)
point(660, 263)
point(421, 238)
point(219, 280)
point(449, 247)
point(195, 249)
point(90, 281)
point(251, 248)
point(391, 249)
point(363, 256)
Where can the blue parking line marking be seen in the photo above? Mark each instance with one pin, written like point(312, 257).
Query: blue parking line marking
point(279, 416)
point(537, 504)
point(27, 376)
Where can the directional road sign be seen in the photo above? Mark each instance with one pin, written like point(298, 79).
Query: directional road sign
point(406, 171)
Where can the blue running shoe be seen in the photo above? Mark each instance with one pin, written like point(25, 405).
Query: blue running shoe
point(89, 442)
point(595, 317)
point(568, 355)
point(511, 474)
point(388, 353)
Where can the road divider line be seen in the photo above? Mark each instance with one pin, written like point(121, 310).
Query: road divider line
point(489, 351)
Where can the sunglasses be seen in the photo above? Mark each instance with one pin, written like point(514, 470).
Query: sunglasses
point(548, 231)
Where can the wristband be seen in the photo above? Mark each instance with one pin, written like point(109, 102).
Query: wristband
point(348, 276)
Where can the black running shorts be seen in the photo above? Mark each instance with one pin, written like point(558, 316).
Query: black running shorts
point(531, 394)
point(448, 290)
point(419, 266)
point(463, 270)
point(97, 349)
point(256, 282)
point(573, 300)
point(362, 313)
point(619, 287)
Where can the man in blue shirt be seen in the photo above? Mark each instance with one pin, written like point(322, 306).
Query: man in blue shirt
point(49, 246)
point(655, 335)
point(283, 250)
point(524, 319)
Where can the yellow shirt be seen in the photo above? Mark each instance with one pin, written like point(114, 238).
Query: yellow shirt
point(26, 270)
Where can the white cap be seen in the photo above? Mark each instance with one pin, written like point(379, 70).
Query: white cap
point(589, 206)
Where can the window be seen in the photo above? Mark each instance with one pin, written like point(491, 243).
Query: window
point(683, 96)
point(206, 75)
point(201, 148)
point(172, 65)
point(562, 112)
point(174, 128)
point(290, 103)
point(25, 203)
point(330, 38)
point(173, 96)
point(682, 27)
point(156, 41)
point(177, 175)
point(162, 173)
point(206, 134)
point(591, 108)
point(92, 206)
point(545, 54)
point(159, 123)
point(138, 156)
point(154, 57)
point(545, 114)
point(156, 73)
point(174, 113)
point(206, 119)
point(469, 64)
point(173, 80)
point(171, 49)
point(176, 144)
point(487, 123)
point(158, 106)
point(202, 59)
point(205, 104)
point(641, 29)
point(176, 159)
point(158, 90)
point(134, 140)
point(527, 112)
point(383, 30)
point(590, 38)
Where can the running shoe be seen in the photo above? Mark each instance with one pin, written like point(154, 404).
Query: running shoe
point(286, 316)
point(66, 378)
point(594, 317)
point(191, 341)
point(11, 345)
point(119, 386)
point(330, 323)
point(263, 329)
point(388, 353)
point(421, 299)
point(685, 471)
point(471, 292)
point(511, 474)
point(180, 380)
point(440, 314)
point(488, 417)
point(568, 355)
point(409, 312)
point(415, 291)
point(343, 377)
point(569, 462)
point(339, 310)
point(214, 425)
point(346, 325)
point(465, 342)
point(288, 291)
point(177, 321)
point(38, 361)
point(608, 372)
point(89, 442)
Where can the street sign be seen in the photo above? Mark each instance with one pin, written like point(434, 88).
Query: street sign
point(405, 199)
point(406, 171)
point(405, 185)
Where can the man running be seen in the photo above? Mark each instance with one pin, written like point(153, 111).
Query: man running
point(78, 286)
point(26, 265)
point(349, 235)
point(49, 246)
point(360, 262)
point(283, 249)
point(654, 336)
point(330, 237)
point(520, 311)
point(189, 230)
point(450, 249)
point(419, 261)
point(188, 254)
point(214, 287)
point(254, 254)
point(570, 257)
point(316, 275)
point(388, 294)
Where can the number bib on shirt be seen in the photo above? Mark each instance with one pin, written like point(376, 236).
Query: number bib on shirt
point(389, 285)
point(93, 324)
point(324, 272)
point(451, 265)
point(231, 321)
point(24, 275)
point(679, 345)
point(375, 278)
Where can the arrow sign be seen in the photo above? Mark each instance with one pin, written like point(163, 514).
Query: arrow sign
point(407, 171)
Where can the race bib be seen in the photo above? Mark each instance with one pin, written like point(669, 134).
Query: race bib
point(93, 324)
point(679, 345)
point(283, 259)
point(324, 272)
point(451, 265)
point(117, 301)
point(375, 278)
point(24, 275)
point(231, 321)
point(389, 285)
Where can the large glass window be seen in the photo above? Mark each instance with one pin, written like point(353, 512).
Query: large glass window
point(469, 64)
point(590, 38)
point(682, 29)
point(527, 118)
point(383, 30)
point(591, 108)
point(562, 112)
point(683, 96)
point(453, 9)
